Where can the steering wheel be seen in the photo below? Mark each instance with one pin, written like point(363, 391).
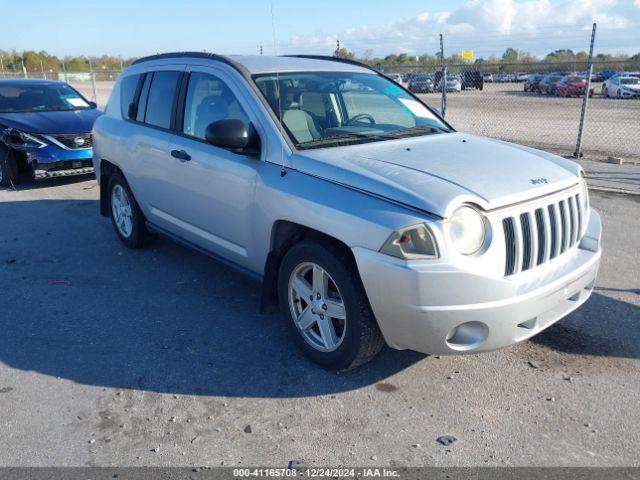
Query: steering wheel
point(361, 116)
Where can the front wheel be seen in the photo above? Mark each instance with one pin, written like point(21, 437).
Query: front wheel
point(326, 307)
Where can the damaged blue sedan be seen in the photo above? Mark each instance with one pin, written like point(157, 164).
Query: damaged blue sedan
point(45, 130)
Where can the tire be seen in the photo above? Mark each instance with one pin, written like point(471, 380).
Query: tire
point(136, 234)
point(619, 94)
point(360, 338)
point(8, 168)
point(605, 92)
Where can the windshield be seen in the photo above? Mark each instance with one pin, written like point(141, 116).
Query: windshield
point(39, 97)
point(575, 80)
point(323, 109)
point(630, 81)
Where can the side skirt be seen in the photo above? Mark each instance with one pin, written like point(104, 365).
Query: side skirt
point(176, 238)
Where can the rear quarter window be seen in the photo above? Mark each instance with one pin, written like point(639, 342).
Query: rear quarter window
point(128, 89)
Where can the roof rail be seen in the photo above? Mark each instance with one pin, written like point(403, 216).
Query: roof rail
point(211, 56)
point(335, 59)
point(160, 56)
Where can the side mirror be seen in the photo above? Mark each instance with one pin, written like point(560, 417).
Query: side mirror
point(234, 135)
point(93, 105)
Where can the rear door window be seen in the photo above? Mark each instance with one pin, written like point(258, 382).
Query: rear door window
point(161, 99)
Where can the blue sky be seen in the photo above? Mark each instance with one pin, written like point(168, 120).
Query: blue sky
point(142, 27)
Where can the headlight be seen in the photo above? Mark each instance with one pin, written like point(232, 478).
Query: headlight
point(414, 242)
point(20, 140)
point(467, 230)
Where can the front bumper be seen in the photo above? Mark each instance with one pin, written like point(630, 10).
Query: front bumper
point(421, 306)
point(51, 161)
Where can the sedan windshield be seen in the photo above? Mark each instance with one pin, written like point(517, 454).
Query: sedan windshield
point(630, 81)
point(39, 97)
point(323, 109)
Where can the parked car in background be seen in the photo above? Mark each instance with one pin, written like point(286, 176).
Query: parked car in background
point(521, 77)
point(597, 77)
point(471, 79)
point(373, 226)
point(421, 83)
point(611, 81)
point(607, 74)
point(532, 82)
point(620, 86)
point(572, 86)
point(453, 84)
point(487, 77)
point(396, 77)
point(547, 85)
point(45, 130)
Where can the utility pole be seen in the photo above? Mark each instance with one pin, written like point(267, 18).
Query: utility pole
point(24, 69)
point(93, 82)
point(585, 100)
point(443, 79)
point(44, 75)
point(260, 50)
point(2, 65)
point(120, 58)
point(337, 48)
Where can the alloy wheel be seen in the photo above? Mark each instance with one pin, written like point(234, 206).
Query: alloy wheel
point(122, 211)
point(317, 307)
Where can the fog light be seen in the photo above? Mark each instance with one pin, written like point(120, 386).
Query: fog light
point(467, 336)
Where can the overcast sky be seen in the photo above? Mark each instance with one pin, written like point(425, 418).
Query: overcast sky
point(133, 28)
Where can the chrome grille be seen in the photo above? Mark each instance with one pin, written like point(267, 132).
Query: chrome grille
point(74, 141)
point(535, 236)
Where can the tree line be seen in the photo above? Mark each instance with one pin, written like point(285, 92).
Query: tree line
point(509, 61)
point(13, 61)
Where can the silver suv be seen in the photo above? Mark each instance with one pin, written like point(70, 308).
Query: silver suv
point(369, 219)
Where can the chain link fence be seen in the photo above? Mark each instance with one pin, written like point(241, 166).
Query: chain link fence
point(506, 101)
point(494, 100)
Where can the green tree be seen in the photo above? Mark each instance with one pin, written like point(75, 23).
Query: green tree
point(344, 53)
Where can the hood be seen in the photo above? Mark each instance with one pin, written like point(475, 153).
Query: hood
point(71, 121)
point(436, 173)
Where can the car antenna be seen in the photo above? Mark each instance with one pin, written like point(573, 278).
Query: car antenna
point(283, 172)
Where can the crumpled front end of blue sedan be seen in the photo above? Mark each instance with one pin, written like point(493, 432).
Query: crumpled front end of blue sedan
point(40, 156)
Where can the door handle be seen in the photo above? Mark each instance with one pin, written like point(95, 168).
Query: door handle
point(181, 155)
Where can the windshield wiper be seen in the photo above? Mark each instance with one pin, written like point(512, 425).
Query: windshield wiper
point(346, 137)
point(414, 132)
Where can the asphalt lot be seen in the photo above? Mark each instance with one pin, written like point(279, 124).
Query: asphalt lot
point(505, 111)
point(159, 357)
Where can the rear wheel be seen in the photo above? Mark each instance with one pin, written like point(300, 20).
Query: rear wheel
point(326, 308)
point(126, 216)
